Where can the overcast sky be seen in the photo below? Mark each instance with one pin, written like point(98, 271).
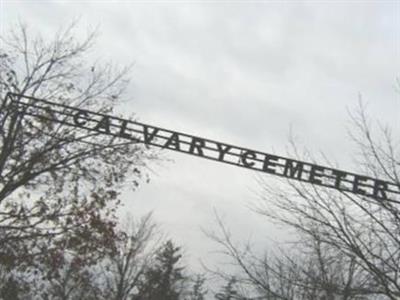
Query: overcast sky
point(242, 72)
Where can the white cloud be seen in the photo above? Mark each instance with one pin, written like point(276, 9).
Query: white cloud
point(241, 73)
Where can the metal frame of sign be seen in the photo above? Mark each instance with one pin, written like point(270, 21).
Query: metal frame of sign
point(206, 148)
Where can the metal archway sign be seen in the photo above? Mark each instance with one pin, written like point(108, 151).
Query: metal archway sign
point(206, 148)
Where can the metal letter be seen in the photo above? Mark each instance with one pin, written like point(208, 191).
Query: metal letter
point(293, 171)
point(270, 161)
point(78, 115)
point(356, 184)
point(122, 132)
point(148, 137)
point(173, 141)
point(380, 187)
point(197, 143)
point(245, 155)
point(339, 175)
point(222, 151)
point(104, 123)
point(316, 173)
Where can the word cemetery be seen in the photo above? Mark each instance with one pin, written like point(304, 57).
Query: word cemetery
point(206, 148)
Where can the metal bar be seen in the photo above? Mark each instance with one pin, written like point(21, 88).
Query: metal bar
point(207, 148)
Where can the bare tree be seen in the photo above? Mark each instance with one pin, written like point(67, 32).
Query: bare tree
point(251, 276)
point(122, 272)
point(364, 231)
point(347, 246)
point(308, 269)
point(115, 276)
point(74, 281)
point(59, 187)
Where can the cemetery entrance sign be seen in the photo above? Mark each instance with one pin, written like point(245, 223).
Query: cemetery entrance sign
point(205, 148)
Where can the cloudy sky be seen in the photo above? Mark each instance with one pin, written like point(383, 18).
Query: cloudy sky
point(242, 72)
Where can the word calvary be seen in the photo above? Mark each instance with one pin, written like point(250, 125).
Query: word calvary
point(210, 149)
point(251, 159)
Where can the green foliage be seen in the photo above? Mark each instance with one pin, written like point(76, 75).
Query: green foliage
point(228, 292)
point(165, 279)
point(198, 290)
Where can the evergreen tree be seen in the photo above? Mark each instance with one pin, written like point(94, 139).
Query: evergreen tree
point(164, 280)
point(228, 291)
point(197, 292)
